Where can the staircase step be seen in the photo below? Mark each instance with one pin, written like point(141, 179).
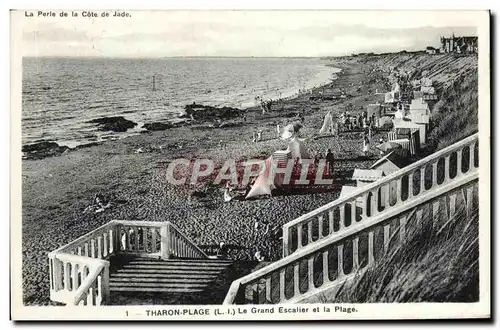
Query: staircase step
point(193, 267)
point(180, 263)
point(155, 290)
point(171, 271)
point(162, 280)
point(156, 285)
point(163, 275)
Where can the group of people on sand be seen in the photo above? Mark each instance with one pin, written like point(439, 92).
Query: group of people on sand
point(257, 136)
point(362, 121)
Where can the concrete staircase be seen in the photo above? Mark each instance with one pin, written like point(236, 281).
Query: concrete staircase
point(175, 275)
point(128, 262)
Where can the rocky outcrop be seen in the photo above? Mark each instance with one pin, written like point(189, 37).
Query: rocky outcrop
point(157, 126)
point(42, 149)
point(209, 112)
point(115, 124)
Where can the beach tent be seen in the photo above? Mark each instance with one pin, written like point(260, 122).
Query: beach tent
point(263, 185)
point(384, 121)
point(297, 149)
point(290, 130)
point(399, 114)
point(327, 124)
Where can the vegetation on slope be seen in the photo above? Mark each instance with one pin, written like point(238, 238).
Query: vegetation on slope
point(433, 265)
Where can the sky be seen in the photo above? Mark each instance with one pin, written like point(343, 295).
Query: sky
point(239, 33)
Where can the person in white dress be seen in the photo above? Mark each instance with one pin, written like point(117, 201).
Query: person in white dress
point(366, 144)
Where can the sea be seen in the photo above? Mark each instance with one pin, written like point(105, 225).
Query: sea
point(60, 95)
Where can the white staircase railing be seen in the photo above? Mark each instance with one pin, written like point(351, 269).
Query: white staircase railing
point(390, 192)
point(321, 264)
point(79, 271)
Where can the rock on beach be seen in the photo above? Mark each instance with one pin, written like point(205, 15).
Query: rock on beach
point(115, 124)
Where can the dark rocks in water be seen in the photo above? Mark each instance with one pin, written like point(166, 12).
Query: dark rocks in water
point(291, 114)
point(115, 124)
point(208, 112)
point(42, 145)
point(157, 126)
point(42, 149)
point(88, 145)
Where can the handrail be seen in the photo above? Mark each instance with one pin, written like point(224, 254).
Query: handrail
point(384, 180)
point(140, 223)
point(89, 280)
point(82, 238)
point(381, 186)
point(355, 229)
point(189, 241)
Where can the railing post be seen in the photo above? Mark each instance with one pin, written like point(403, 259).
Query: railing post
point(117, 240)
point(434, 174)
point(459, 162)
point(165, 241)
point(371, 259)
point(422, 180)
point(447, 168)
point(340, 261)
point(320, 226)
point(410, 186)
point(355, 253)
point(105, 284)
point(310, 272)
point(341, 217)
point(299, 235)
point(286, 241)
point(399, 190)
point(471, 157)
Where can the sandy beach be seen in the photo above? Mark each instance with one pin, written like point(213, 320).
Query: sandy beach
point(57, 190)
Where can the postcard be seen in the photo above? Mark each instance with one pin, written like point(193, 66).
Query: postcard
point(250, 165)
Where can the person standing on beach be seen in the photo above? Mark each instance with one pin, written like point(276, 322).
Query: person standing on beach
point(329, 161)
point(366, 144)
point(278, 131)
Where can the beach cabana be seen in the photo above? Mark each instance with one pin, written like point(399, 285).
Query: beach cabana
point(426, 82)
point(365, 177)
point(412, 125)
point(390, 163)
point(282, 156)
point(418, 94)
point(327, 126)
point(349, 191)
point(419, 111)
point(428, 90)
point(263, 185)
point(297, 149)
point(374, 109)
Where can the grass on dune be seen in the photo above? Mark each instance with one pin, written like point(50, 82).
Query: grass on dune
point(433, 265)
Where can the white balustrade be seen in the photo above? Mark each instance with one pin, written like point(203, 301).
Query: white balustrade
point(79, 273)
point(293, 233)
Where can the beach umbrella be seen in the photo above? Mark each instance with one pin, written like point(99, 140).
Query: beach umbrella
point(388, 146)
